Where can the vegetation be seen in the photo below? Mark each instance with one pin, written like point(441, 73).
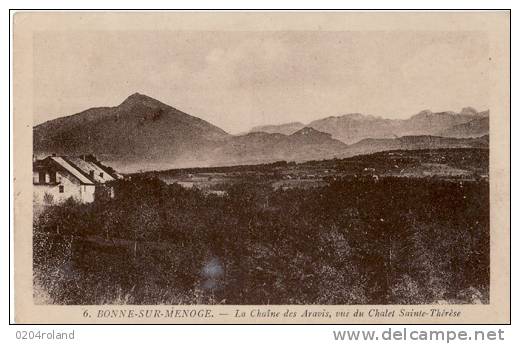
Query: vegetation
point(471, 159)
point(357, 240)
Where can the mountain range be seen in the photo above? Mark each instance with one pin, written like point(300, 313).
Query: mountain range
point(352, 128)
point(145, 134)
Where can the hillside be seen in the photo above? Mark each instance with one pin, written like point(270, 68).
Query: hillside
point(286, 128)
point(259, 147)
point(474, 128)
point(415, 142)
point(140, 131)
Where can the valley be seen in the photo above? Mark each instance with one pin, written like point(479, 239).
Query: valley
point(455, 164)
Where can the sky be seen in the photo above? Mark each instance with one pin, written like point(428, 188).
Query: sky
point(240, 79)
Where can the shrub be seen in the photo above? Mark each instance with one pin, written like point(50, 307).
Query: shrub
point(353, 241)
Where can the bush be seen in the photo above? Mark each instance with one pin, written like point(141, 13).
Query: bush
point(354, 241)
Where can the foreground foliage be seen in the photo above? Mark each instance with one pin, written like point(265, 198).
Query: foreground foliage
point(354, 241)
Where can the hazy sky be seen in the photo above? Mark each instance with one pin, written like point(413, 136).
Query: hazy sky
point(237, 80)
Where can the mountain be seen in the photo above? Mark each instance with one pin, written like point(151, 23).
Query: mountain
point(286, 128)
point(431, 123)
point(474, 128)
point(260, 147)
point(352, 128)
point(367, 146)
point(143, 134)
point(141, 131)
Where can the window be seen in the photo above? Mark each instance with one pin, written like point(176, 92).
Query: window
point(101, 174)
point(62, 188)
point(41, 177)
point(52, 177)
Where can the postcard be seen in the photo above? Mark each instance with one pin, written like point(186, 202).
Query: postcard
point(261, 167)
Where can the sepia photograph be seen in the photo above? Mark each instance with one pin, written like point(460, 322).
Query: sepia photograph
point(262, 159)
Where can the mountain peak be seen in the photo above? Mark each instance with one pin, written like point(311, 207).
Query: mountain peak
point(470, 111)
point(424, 113)
point(138, 98)
point(354, 116)
point(308, 131)
point(285, 128)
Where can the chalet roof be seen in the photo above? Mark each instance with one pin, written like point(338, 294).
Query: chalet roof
point(100, 175)
point(84, 179)
point(87, 170)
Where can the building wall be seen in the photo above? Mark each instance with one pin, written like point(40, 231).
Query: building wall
point(71, 188)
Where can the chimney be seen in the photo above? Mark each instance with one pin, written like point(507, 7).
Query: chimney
point(53, 154)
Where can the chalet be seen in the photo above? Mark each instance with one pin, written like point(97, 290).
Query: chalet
point(57, 178)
